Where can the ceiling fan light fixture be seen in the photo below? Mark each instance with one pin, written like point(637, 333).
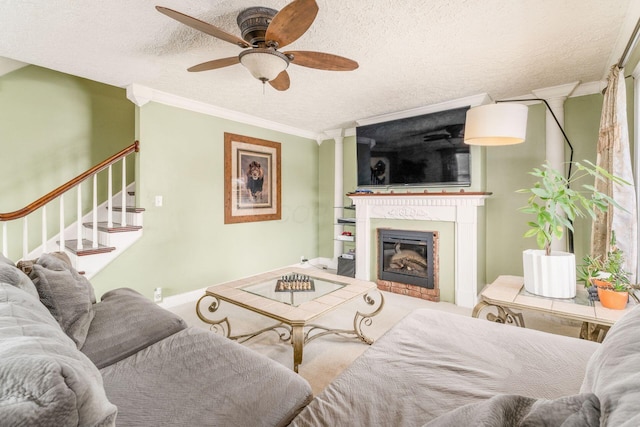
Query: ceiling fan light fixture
point(263, 63)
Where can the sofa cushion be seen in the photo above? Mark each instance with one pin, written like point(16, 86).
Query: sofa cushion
point(579, 410)
point(125, 322)
point(613, 375)
point(199, 378)
point(67, 295)
point(432, 362)
point(11, 274)
point(44, 378)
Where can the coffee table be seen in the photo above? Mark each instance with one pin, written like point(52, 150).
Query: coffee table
point(507, 293)
point(293, 309)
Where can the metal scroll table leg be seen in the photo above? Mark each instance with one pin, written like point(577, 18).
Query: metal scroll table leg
point(224, 327)
point(297, 339)
point(359, 320)
point(300, 337)
point(593, 332)
point(505, 315)
point(365, 318)
point(218, 326)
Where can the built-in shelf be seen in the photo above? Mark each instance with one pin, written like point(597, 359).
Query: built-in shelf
point(346, 221)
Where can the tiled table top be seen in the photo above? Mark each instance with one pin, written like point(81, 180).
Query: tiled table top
point(508, 291)
point(300, 314)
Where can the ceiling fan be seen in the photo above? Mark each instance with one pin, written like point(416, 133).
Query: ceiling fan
point(264, 31)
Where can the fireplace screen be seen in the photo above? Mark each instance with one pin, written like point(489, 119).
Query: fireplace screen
point(408, 257)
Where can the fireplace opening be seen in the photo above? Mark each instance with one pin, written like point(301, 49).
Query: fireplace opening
point(408, 257)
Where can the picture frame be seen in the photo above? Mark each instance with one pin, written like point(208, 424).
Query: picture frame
point(252, 179)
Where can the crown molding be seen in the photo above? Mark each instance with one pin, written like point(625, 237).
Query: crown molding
point(589, 88)
point(472, 101)
point(8, 65)
point(560, 91)
point(140, 95)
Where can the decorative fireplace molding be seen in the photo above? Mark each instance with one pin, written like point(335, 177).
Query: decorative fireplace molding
point(460, 208)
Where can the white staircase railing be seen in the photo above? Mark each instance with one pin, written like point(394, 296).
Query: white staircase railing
point(11, 239)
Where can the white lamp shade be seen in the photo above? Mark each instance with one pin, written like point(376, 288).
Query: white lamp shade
point(264, 64)
point(496, 124)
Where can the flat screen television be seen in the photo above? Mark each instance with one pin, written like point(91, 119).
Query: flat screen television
point(426, 150)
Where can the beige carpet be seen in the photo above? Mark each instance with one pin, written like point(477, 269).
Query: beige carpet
point(325, 357)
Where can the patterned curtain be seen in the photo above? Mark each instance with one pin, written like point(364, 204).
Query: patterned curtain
point(614, 156)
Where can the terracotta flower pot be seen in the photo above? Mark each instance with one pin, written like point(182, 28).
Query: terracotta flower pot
point(610, 298)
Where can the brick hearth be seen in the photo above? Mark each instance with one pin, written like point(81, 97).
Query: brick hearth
point(410, 290)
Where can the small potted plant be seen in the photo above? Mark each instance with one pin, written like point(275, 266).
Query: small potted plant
point(555, 205)
point(608, 276)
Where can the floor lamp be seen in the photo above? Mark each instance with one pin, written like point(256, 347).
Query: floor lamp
point(505, 123)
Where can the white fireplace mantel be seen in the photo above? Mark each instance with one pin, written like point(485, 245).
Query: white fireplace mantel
point(461, 208)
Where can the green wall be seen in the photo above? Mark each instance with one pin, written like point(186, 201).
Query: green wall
point(501, 171)
point(53, 127)
point(326, 165)
point(185, 244)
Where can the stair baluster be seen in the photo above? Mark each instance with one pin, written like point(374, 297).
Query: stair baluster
point(103, 234)
point(79, 245)
point(123, 216)
point(94, 217)
point(109, 197)
point(61, 235)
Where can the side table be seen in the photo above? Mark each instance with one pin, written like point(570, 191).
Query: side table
point(507, 293)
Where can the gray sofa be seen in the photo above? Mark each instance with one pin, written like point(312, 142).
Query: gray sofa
point(67, 360)
point(438, 369)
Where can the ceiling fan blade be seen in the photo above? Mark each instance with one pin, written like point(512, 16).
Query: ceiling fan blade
point(322, 61)
point(291, 22)
point(281, 82)
point(216, 63)
point(203, 26)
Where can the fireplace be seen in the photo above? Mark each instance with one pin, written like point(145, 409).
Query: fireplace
point(461, 208)
point(408, 262)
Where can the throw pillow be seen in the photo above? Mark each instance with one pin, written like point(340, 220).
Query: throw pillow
point(581, 410)
point(44, 378)
point(5, 260)
point(612, 372)
point(12, 275)
point(67, 295)
point(110, 339)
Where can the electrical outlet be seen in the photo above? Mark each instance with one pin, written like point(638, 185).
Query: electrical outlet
point(157, 295)
point(303, 259)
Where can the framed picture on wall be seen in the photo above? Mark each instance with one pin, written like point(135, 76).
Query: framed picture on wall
point(251, 179)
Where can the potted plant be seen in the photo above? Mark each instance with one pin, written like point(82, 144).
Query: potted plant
point(608, 276)
point(555, 205)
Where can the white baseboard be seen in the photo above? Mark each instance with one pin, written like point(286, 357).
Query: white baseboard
point(184, 298)
point(192, 296)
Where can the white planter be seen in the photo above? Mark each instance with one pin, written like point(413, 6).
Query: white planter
point(551, 276)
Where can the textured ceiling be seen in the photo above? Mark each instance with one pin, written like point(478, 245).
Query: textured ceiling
point(412, 53)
